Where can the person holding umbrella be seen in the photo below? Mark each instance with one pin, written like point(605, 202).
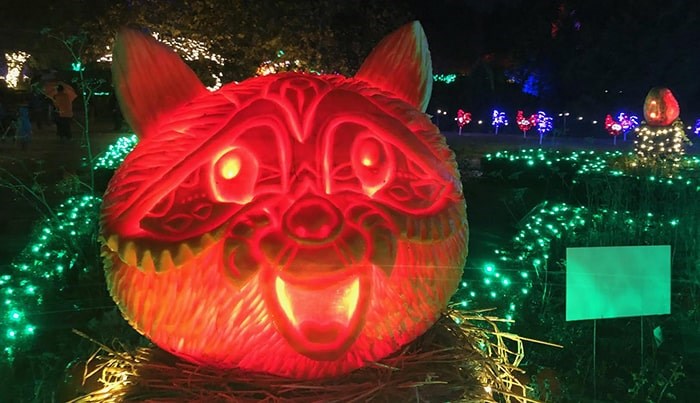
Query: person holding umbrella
point(64, 107)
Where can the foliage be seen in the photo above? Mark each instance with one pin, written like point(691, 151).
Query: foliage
point(328, 36)
point(655, 384)
point(615, 202)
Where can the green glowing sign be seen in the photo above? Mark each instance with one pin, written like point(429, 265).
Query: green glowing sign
point(618, 281)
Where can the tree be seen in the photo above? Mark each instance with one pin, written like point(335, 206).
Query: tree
point(328, 36)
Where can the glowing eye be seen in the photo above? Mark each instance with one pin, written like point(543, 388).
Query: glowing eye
point(230, 166)
point(372, 162)
point(370, 152)
point(233, 176)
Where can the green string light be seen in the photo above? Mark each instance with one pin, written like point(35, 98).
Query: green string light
point(445, 78)
point(116, 152)
point(41, 266)
point(527, 258)
point(528, 255)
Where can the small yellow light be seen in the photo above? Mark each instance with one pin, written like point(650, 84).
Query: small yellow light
point(231, 167)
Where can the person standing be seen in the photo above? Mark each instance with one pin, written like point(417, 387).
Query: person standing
point(64, 108)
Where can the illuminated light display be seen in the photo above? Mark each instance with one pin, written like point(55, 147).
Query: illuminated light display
point(543, 123)
point(42, 266)
point(508, 277)
point(498, 119)
point(661, 140)
point(628, 123)
point(445, 78)
point(623, 125)
point(116, 152)
point(508, 280)
point(15, 64)
point(293, 224)
point(525, 124)
point(280, 66)
point(613, 127)
point(661, 147)
point(696, 128)
point(660, 107)
point(463, 118)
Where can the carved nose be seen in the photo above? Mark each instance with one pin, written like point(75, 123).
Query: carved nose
point(313, 218)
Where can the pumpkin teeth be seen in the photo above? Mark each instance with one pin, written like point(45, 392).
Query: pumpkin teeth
point(147, 264)
point(113, 243)
point(127, 252)
point(157, 258)
point(165, 261)
point(184, 254)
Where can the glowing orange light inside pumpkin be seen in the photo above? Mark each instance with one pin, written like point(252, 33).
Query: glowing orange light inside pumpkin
point(660, 107)
point(230, 167)
point(233, 176)
point(284, 300)
point(653, 108)
point(349, 300)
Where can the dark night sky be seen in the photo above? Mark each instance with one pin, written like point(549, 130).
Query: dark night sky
point(624, 46)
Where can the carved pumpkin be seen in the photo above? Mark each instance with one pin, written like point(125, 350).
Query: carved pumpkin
point(660, 107)
point(293, 224)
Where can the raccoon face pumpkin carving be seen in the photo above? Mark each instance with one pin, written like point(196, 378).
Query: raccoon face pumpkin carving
point(293, 224)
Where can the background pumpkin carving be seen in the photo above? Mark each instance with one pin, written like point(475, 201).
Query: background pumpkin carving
point(660, 107)
point(293, 224)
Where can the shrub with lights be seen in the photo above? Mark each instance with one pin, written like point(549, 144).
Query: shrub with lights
point(661, 139)
point(445, 78)
point(63, 249)
point(608, 183)
point(623, 206)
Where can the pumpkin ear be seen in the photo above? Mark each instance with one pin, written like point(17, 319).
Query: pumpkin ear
point(401, 64)
point(150, 79)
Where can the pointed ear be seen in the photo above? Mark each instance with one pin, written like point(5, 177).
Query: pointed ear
point(401, 65)
point(150, 79)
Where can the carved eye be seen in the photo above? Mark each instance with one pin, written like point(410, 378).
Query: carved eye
point(233, 176)
point(372, 162)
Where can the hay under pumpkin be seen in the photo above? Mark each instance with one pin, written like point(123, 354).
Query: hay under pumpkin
point(463, 357)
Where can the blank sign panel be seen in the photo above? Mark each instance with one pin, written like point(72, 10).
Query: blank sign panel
point(618, 281)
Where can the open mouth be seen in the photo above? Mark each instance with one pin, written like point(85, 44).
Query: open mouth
point(320, 319)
